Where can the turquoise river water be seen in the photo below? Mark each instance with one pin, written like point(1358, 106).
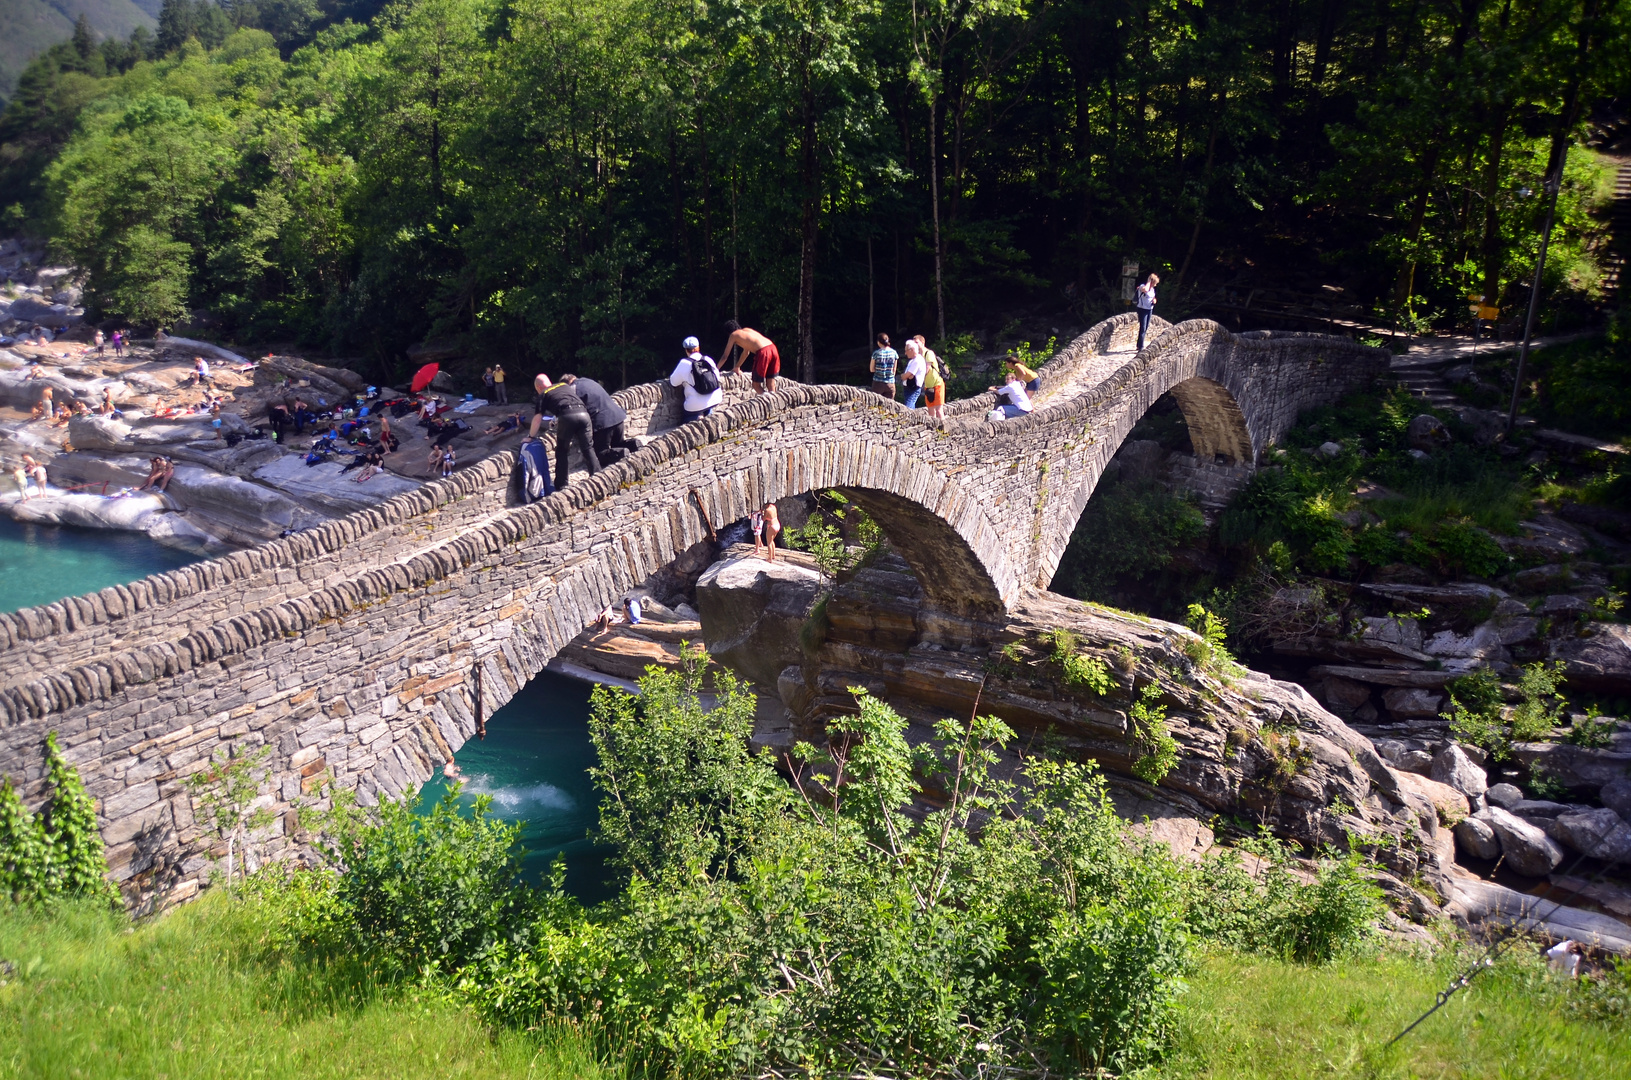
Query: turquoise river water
point(533, 762)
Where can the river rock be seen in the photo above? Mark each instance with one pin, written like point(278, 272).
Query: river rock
point(1528, 850)
point(1426, 434)
point(326, 488)
point(1450, 805)
point(1564, 606)
point(1599, 833)
point(1616, 795)
point(1486, 426)
point(1575, 767)
point(1506, 796)
point(1407, 702)
point(1599, 659)
point(1548, 538)
point(1476, 838)
point(753, 611)
point(1484, 643)
point(1452, 766)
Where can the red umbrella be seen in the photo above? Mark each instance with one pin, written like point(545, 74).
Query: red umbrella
point(424, 375)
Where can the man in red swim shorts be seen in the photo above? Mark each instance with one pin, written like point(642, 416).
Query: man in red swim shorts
point(753, 347)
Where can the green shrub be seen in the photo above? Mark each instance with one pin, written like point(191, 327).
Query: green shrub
point(1477, 715)
point(56, 854)
point(829, 930)
point(423, 892)
point(1157, 749)
point(1078, 670)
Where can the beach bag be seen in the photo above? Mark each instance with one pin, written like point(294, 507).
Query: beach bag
point(532, 470)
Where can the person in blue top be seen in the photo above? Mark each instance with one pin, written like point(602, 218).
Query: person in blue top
point(884, 360)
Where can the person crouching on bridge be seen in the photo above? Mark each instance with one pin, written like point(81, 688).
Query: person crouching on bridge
point(698, 376)
point(1032, 381)
point(753, 348)
point(572, 425)
point(1019, 402)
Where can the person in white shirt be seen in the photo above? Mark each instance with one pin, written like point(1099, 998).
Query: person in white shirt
point(201, 372)
point(1146, 306)
point(1019, 402)
point(916, 367)
point(697, 405)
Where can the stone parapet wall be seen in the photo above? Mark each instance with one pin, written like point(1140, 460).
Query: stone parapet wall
point(353, 650)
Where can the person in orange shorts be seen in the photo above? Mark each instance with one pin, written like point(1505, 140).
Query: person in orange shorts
point(753, 347)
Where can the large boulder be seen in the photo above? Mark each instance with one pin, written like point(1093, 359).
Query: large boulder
point(1597, 660)
point(1449, 804)
point(1616, 795)
point(1577, 768)
point(1600, 833)
point(1452, 766)
point(754, 610)
point(1427, 433)
point(1476, 838)
point(1528, 850)
point(1506, 796)
point(1408, 702)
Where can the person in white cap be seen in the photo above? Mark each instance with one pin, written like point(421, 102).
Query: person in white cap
point(698, 375)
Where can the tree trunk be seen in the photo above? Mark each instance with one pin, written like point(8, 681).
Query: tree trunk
point(1491, 248)
point(934, 199)
point(806, 313)
point(1330, 17)
point(871, 306)
point(1206, 187)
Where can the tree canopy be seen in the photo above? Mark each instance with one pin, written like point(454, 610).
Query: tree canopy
point(591, 180)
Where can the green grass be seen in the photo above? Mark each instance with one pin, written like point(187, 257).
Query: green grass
point(1265, 1020)
point(200, 993)
point(195, 994)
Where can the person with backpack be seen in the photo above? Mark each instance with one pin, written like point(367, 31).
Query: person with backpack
point(572, 425)
point(698, 375)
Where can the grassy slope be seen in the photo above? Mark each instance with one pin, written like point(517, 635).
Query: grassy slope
point(188, 996)
point(1266, 1020)
point(29, 27)
point(192, 995)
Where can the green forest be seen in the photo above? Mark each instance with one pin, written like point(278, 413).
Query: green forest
point(593, 179)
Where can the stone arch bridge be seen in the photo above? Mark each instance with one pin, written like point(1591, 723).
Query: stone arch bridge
point(356, 650)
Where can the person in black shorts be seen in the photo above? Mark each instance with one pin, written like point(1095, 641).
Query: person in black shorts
point(572, 425)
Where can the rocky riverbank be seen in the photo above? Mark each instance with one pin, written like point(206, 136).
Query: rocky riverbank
point(235, 483)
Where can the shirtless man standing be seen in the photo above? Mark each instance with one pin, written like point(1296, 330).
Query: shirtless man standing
point(752, 346)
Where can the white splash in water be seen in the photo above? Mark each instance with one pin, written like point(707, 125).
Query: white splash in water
point(515, 798)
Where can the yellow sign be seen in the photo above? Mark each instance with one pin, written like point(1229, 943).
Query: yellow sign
point(1489, 314)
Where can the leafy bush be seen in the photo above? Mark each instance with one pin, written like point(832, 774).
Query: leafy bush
point(420, 891)
point(56, 854)
point(823, 536)
point(1078, 670)
point(1477, 715)
point(827, 929)
point(1158, 750)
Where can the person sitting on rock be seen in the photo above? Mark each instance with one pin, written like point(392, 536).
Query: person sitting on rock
point(631, 610)
point(609, 617)
point(201, 372)
point(159, 477)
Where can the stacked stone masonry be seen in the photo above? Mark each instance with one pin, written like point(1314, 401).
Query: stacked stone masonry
point(350, 650)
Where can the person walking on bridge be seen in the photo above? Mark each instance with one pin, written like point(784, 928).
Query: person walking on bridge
point(1146, 306)
point(750, 346)
point(883, 364)
point(912, 380)
point(572, 425)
